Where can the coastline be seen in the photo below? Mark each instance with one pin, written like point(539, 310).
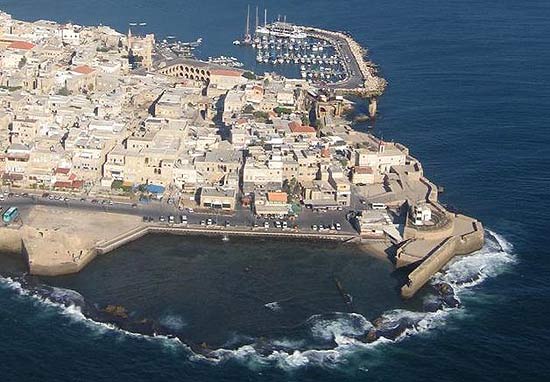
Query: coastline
point(62, 241)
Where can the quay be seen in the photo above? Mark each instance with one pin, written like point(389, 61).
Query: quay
point(361, 76)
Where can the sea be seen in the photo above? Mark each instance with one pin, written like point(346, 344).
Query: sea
point(468, 93)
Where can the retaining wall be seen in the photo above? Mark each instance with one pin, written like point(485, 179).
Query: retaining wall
point(456, 245)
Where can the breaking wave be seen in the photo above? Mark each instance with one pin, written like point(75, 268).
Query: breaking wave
point(324, 340)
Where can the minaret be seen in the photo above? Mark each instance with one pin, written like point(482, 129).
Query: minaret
point(129, 38)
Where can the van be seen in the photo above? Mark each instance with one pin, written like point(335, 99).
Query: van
point(378, 206)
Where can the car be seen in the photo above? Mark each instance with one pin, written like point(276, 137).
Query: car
point(95, 201)
point(203, 222)
point(145, 218)
point(162, 219)
point(285, 225)
point(339, 208)
point(10, 195)
point(189, 209)
point(266, 224)
point(209, 222)
point(183, 219)
point(277, 224)
point(151, 219)
point(171, 219)
point(333, 227)
point(110, 202)
point(82, 199)
point(338, 227)
point(45, 195)
point(134, 205)
point(314, 227)
point(25, 195)
point(227, 223)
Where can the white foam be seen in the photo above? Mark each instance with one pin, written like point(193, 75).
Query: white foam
point(174, 322)
point(274, 306)
point(463, 273)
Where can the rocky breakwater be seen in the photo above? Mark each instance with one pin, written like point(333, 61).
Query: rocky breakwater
point(58, 241)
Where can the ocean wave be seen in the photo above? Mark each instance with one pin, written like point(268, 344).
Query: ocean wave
point(347, 331)
point(326, 340)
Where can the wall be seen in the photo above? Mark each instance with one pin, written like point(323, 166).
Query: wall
point(456, 245)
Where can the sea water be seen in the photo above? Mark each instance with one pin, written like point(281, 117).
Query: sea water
point(469, 94)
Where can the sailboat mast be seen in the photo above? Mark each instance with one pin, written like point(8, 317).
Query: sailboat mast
point(265, 17)
point(247, 22)
point(256, 19)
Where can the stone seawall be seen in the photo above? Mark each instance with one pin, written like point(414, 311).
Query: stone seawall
point(455, 245)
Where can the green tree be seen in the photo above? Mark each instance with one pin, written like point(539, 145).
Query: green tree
point(249, 75)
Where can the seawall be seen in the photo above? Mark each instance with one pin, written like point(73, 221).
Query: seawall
point(455, 245)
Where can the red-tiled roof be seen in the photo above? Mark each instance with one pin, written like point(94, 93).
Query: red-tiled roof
point(61, 170)
point(83, 69)
point(363, 170)
point(225, 72)
point(295, 127)
point(22, 45)
point(277, 197)
point(70, 184)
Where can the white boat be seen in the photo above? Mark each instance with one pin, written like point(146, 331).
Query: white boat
point(236, 42)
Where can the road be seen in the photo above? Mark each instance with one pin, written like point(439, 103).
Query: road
point(240, 218)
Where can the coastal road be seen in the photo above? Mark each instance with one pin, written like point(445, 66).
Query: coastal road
point(155, 209)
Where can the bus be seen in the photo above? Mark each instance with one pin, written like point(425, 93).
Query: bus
point(10, 215)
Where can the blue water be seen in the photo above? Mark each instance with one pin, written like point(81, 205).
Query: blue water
point(469, 93)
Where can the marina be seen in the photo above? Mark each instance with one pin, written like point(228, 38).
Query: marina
point(325, 59)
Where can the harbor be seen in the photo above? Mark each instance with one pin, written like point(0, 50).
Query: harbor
point(326, 59)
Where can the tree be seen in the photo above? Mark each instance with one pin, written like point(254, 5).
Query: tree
point(64, 91)
point(22, 62)
point(248, 109)
point(249, 75)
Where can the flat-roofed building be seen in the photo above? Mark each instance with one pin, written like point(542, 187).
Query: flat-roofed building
point(218, 198)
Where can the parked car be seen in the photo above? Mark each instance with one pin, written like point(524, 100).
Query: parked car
point(266, 224)
point(171, 219)
point(162, 219)
point(338, 227)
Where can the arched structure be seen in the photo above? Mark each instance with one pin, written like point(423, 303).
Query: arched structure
point(186, 68)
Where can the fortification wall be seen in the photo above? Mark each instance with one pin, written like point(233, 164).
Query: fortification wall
point(456, 245)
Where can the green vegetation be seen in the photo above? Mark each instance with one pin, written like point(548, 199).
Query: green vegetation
point(293, 188)
point(305, 120)
point(22, 62)
point(102, 49)
point(282, 110)
point(116, 185)
point(261, 116)
point(248, 109)
point(249, 75)
point(10, 88)
point(63, 91)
